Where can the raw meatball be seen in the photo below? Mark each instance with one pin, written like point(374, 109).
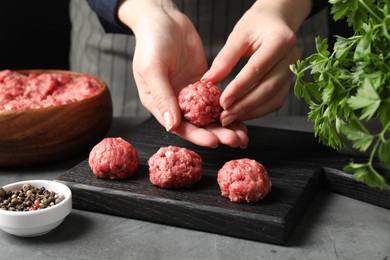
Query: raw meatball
point(113, 158)
point(244, 180)
point(200, 103)
point(175, 167)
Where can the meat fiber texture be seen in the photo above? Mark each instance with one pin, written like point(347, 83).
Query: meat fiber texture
point(19, 91)
point(244, 180)
point(113, 158)
point(199, 103)
point(175, 167)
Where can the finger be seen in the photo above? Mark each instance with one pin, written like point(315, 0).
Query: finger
point(225, 136)
point(266, 97)
point(242, 132)
point(233, 136)
point(227, 58)
point(265, 108)
point(196, 135)
point(158, 96)
point(270, 53)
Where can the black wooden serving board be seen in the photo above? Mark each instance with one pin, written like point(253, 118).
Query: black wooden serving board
point(294, 161)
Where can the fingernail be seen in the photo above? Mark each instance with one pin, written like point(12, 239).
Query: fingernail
point(228, 103)
point(243, 146)
point(228, 119)
point(204, 78)
point(168, 119)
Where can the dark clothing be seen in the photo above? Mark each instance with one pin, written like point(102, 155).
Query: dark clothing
point(106, 11)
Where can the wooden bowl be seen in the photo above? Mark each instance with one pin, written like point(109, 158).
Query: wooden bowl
point(37, 136)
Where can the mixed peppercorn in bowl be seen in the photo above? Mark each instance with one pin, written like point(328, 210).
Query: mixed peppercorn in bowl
point(33, 207)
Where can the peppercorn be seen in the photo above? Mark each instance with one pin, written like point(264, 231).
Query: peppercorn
point(26, 187)
point(2, 193)
point(28, 198)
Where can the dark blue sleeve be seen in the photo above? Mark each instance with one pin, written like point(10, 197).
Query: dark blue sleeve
point(106, 11)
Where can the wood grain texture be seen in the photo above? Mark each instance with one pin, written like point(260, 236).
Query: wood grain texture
point(294, 161)
point(35, 136)
point(345, 184)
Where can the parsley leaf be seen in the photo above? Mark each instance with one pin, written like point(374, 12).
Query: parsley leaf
point(351, 84)
point(358, 134)
point(366, 99)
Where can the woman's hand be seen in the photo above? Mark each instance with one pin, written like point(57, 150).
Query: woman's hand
point(265, 34)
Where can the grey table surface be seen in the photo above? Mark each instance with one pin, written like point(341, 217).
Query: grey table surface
point(333, 227)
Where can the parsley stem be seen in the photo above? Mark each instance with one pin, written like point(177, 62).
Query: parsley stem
point(369, 10)
point(383, 132)
point(384, 26)
point(373, 151)
point(380, 178)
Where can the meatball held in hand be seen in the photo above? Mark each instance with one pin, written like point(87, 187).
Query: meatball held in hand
point(244, 180)
point(175, 167)
point(199, 103)
point(113, 158)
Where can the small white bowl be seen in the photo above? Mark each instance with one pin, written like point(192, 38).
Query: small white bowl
point(41, 221)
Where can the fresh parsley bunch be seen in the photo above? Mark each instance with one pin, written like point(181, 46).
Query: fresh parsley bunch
point(351, 85)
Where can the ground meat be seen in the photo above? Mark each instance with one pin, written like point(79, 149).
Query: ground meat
point(244, 180)
point(113, 158)
point(175, 167)
point(199, 103)
point(19, 91)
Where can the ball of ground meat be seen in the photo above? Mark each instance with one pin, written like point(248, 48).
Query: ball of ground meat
point(199, 103)
point(244, 180)
point(175, 167)
point(113, 158)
